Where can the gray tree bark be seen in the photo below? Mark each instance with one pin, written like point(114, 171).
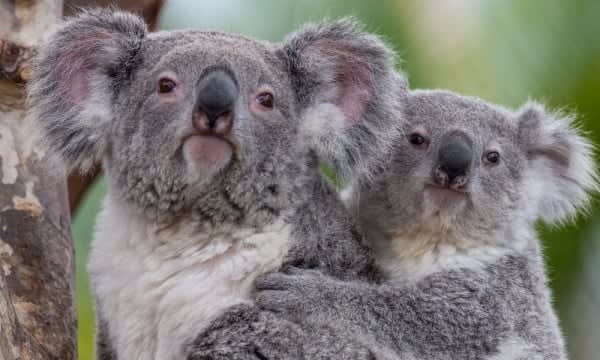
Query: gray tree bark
point(37, 298)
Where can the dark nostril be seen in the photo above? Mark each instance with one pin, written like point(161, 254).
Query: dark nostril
point(440, 176)
point(459, 182)
point(217, 126)
point(201, 123)
point(453, 172)
point(452, 180)
point(222, 124)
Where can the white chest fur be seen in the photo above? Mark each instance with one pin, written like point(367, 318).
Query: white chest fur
point(159, 289)
point(413, 254)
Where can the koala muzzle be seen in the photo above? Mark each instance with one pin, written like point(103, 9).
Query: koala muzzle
point(217, 94)
point(454, 161)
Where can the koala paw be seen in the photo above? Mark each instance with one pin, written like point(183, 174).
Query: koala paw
point(298, 293)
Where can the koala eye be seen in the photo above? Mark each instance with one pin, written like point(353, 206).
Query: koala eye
point(417, 140)
point(491, 157)
point(166, 85)
point(265, 99)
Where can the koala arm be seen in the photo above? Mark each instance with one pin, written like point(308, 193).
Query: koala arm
point(326, 237)
point(246, 332)
point(456, 314)
point(311, 296)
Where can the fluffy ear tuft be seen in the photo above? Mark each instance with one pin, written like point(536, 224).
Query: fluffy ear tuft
point(561, 161)
point(77, 77)
point(349, 94)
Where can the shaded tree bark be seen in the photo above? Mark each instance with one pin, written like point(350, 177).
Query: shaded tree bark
point(37, 302)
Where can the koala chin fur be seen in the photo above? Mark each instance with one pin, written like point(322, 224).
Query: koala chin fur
point(160, 286)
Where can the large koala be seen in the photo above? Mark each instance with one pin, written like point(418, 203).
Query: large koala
point(210, 142)
point(451, 220)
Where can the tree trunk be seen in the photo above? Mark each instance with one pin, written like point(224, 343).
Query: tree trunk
point(37, 302)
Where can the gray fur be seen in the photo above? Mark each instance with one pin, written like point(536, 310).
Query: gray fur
point(465, 279)
point(324, 56)
point(105, 49)
point(95, 95)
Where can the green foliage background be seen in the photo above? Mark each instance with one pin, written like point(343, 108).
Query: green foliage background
point(504, 51)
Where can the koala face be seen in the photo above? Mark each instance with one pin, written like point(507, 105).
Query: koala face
point(459, 155)
point(200, 106)
point(212, 107)
point(217, 125)
point(470, 169)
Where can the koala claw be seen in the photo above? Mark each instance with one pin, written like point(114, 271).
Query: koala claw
point(295, 293)
point(291, 275)
point(277, 302)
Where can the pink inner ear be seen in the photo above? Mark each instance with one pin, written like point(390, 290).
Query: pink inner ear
point(74, 77)
point(355, 90)
point(77, 88)
point(77, 63)
point(352, 76)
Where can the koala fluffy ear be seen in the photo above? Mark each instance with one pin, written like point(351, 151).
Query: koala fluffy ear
point(348, 93)
point(561, 161)
point(77, 78)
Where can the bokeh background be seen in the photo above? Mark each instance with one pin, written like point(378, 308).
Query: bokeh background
point(504, 51)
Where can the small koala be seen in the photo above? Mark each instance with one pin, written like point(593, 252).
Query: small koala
point(451, 221)
point(210, 142)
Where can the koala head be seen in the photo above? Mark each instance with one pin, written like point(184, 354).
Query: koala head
point(209, 122)
point(469, 169)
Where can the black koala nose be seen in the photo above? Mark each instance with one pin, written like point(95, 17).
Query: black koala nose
point(454, 160)
point(217, 94)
